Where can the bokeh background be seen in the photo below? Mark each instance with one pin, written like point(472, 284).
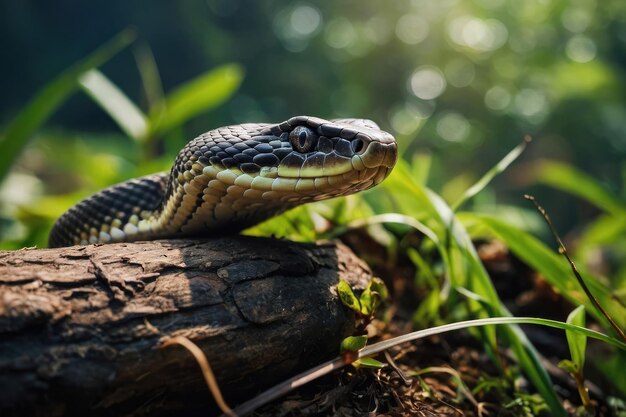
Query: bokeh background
point(459, 82)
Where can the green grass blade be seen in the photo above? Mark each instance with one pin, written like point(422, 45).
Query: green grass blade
point(197, 96)
point(573, 181)
point(410, 197)
point(149, 73)
point(125, 113)
point(50, 98)
point(524, 350)
point(473, 274)
point(605, 230)
point(295, 224)
point(421, 166)
point(385, 219)
point(551, 265)
point(577, 342)
point(420, 334)
point(466, 269)
point(491, 174)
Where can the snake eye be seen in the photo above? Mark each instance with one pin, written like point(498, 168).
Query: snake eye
point(302, 139)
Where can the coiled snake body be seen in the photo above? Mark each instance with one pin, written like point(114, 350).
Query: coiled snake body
point(233, 177)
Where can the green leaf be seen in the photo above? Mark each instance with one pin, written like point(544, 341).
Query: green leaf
point(573, 181)
point(420, 167)
point(576, 341)
point(196, 96)
point(569, 366)
point(428, 311)
point(347, 296)
point(612, 368)
point(368, 302)
point(353, 343)
point(491, 174)
point(373, 295)
point(296, 224)
point(425, 276)
point(581, 80)
point(605, 230)
point(378, 286)
point(465, 268)
point(50, 98)
point(419, 334)
point(368, 363)
point(149, 73)
point(125, 113)
point(552, 266)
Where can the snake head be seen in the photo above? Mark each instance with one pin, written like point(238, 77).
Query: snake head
point(320, 159)
point(233, 177)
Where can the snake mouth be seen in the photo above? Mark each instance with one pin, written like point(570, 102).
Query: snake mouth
point(288, 190)
point(315, 166)
point(333, 176)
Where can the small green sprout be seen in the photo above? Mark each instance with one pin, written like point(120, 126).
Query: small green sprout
point(350, 347)
point(577, 345)
point(365, 307)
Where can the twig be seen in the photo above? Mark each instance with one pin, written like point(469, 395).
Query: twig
point(207, 372)
point(396, 369)
point(581, 281)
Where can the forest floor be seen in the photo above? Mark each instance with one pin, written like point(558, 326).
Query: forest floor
point(451, 374)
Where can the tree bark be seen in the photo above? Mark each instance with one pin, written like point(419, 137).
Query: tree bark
point(82, 328)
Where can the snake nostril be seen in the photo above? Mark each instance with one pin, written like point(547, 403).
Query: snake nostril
point(357, 145)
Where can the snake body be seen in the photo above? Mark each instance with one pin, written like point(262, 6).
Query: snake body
point(233, 177)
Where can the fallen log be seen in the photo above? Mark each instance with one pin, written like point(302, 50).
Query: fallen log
point(82, 328)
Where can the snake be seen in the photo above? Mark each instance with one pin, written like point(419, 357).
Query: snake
point(231, 178)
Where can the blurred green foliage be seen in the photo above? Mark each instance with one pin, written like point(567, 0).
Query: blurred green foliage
point(463, 80)
point(458, 82)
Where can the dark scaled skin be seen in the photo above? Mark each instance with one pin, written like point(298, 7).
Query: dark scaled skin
point(233, 177)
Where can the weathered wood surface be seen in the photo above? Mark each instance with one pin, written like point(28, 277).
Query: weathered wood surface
point(81, 328)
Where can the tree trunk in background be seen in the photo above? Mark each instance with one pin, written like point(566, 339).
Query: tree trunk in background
point(81, 327)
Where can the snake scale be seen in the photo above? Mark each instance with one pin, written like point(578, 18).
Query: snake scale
point(233, 177)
